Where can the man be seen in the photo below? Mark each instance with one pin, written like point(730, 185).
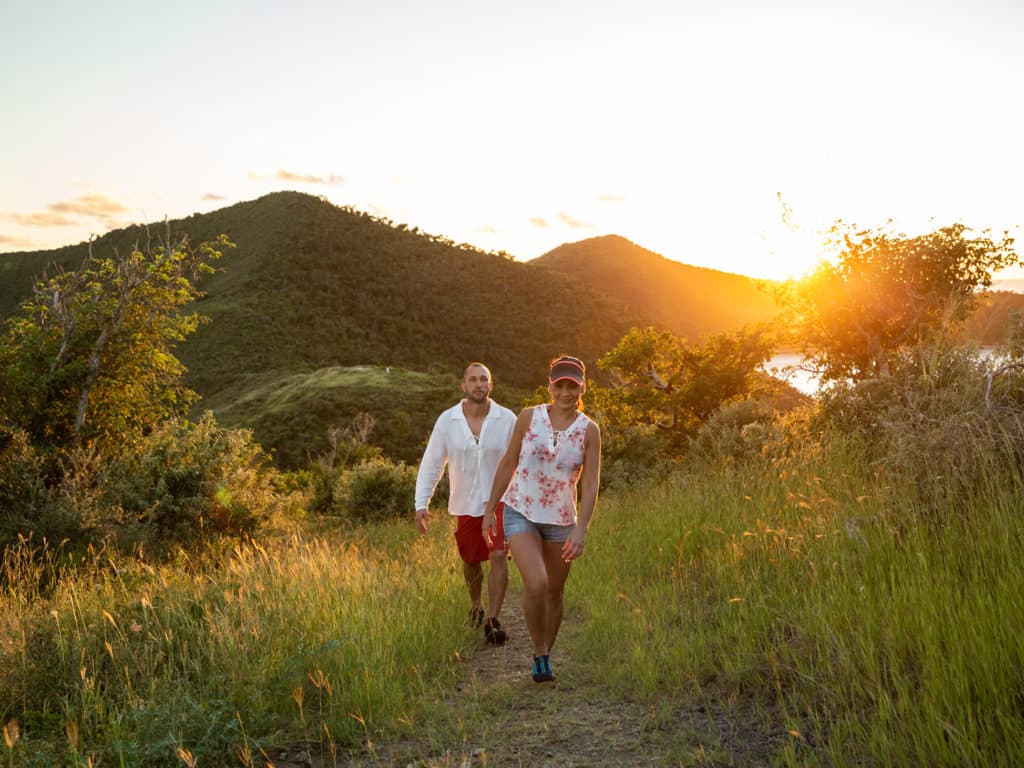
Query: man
point(471, 437)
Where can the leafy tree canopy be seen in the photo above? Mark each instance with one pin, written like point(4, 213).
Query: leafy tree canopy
point(87, 359)
point(885, 291)
point(675, 385)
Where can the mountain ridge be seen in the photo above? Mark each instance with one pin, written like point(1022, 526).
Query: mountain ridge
point(686, 299)
point(313, 290)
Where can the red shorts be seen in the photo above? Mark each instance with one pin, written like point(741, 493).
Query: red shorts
point(472, 540)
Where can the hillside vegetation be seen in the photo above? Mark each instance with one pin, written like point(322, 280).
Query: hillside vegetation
point(684, 299)
point(312, 289)
point(836, 585)
point(312, 285)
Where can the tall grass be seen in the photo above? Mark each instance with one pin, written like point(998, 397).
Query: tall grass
point(312, 641)
point(857, 618)
point(866, 630)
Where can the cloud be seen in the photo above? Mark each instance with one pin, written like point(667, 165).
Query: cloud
point(301, 178)
point(15, 242)
point(537, 221)
point(489, 230)
point(573, 223)
point(94, 206)
point(42, 219)
point(214, 197)
point(68, 213)
point(606, 198)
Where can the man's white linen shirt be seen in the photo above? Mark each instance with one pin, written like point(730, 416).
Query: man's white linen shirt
point(472, 461)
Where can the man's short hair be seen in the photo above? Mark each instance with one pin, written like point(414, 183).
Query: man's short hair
point(465, 373)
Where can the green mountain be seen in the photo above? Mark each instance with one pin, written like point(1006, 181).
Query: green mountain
point(685, 299)
point(312, 289)
point(323, 312)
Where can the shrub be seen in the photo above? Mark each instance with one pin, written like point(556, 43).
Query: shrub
point(929, 425)
point(192, 481)
point(50, 499)
point(735, 432)
point(22, 489)
point(346, 446)
point(633, 453)
point(376, 490)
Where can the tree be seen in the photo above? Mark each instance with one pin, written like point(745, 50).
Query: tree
point(87, 359)
point(885, 292)
point(665, 381)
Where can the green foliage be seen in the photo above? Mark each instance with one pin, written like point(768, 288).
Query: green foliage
point(886, 291)
point(186, 485)
point(22, 481)
point(94, 446)
point(320, 643)
point(735, 433)
point(348, 445)
point(933, 425)
point(377, 490)
point(191, 484)
point(675, 385)
point(87, 358)
point(291, 413)
point(51, 499)
point(632, 451)
point(353, 479)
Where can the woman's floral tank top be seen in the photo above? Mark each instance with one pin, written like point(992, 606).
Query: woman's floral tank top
point(543, 488)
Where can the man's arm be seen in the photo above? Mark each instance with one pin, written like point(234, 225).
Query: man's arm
point(431, 468)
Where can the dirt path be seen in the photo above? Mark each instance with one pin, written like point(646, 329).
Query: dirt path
point(508, 720)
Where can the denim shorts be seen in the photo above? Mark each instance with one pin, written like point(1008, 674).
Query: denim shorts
point(515, 523)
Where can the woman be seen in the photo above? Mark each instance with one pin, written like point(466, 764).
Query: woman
point(553, 447)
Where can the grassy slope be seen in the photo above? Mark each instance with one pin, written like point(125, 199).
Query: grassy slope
point(290, 412)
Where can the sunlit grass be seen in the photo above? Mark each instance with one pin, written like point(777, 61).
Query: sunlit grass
point(321, 641)
point(860, 637)
point(837, 612)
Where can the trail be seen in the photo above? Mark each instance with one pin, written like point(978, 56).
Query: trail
point(508, 720)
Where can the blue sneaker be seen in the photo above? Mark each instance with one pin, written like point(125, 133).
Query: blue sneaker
point(542, 672)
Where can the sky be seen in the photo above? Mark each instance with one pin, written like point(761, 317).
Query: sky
point(725, 134)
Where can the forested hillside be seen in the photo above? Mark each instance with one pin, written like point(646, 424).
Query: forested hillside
point(313, 286)
point(685, 299)
point(316, 303)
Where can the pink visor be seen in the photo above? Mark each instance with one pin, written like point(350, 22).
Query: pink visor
point(565, 369)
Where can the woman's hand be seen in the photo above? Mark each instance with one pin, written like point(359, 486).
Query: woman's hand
point(573, 547)
point(489, 527)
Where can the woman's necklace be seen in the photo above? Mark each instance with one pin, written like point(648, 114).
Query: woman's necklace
point(557, 435)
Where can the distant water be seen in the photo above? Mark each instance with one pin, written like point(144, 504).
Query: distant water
point(800, 380)
point(1014, 284)
point(806, 382)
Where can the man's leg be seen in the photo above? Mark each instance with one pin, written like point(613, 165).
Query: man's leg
point(474, 574)
point(497, 583)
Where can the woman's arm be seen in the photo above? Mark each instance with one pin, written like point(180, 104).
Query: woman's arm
point(590, 480)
